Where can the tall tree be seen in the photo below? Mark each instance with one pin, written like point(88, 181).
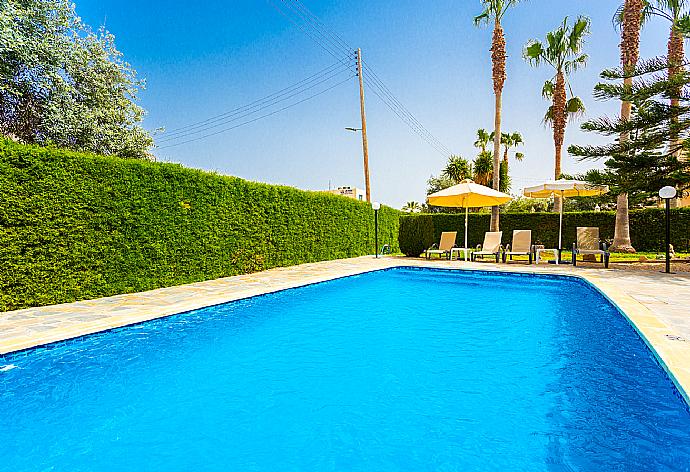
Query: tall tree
point(562, 51)
point(676, 13)
point(494, 12)
point(62, 83)
point(648, 159)
point(483, 139)
point(632, 15)
point(509, 141)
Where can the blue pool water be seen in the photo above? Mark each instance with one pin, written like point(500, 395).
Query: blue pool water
point(401, 369)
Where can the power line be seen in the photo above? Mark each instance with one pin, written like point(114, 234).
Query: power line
point(398, 104)
point(335, 52)
point(334, 44)
point(334, 37)
point(393, 104)
point(245, 111)
point(259, 117)
point(261, 101)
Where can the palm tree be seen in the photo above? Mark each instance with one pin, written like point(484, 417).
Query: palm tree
point(631, 19)
point(509, 141)
point(563, 52)
point(494, 11)
point(412, 207)
point(457, 169)
point(483, 139)
point(676, 12)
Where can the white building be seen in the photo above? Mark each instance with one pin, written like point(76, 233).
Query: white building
point(352, 192)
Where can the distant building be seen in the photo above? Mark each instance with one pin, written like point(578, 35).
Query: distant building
point(352, 192)
point(682, 201)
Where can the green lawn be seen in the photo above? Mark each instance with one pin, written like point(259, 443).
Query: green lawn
point(615, 257)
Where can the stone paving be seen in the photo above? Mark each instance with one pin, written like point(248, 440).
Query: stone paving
point(658, 305)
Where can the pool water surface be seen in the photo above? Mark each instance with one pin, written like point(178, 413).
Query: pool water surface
point(401, 369)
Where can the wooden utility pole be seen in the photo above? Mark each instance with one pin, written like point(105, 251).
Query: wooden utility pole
point(365, 143)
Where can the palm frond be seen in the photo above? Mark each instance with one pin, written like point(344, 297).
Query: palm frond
point(575, 64)
point(534, 52)
point(580, 29)
point(575, 108)
point(562, 48)
point(548, 117)
point(483, 19)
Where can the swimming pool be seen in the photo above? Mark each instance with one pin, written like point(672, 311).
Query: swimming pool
point(402, 369)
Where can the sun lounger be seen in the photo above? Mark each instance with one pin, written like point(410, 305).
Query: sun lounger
point(443, 248)
point(491, 247)
point(520, 246)
point(588, 243)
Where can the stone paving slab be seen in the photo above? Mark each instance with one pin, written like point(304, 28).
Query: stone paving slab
point(658, 305)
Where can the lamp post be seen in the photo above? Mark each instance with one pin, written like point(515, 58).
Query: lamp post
point(376, 206)
point(667, 193)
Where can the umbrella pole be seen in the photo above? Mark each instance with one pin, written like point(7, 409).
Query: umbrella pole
point(466, 211)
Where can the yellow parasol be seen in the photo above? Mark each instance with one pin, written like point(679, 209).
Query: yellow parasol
point(564, 188)
point(467, 195)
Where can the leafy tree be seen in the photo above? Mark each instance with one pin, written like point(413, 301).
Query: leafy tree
point(648, 158)
point(562, 51)
point(436, 184)
point(62, 83)
point(494, 12)
point(526, 205)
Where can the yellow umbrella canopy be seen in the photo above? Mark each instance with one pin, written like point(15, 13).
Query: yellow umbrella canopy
point(466, 195)
point(565, 188)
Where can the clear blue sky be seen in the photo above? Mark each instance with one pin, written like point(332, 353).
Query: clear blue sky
point(202, 59)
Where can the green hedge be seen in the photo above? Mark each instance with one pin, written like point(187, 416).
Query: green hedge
point(76, 226)
point(647, 228)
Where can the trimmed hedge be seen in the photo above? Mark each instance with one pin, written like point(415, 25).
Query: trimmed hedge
point(647, 228)
point(76, 226)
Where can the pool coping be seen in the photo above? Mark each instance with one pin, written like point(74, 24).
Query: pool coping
point(42, 326)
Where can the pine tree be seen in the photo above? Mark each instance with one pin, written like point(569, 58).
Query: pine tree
point(651, 156)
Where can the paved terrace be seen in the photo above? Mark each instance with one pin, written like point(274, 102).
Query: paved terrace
point(657, 304)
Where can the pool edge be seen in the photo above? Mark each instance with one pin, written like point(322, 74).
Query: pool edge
point(673, 356)
point(652, 330)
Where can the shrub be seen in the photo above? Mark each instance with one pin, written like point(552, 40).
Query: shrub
point(647, 228)
point(76, 226)
point(416, 234)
